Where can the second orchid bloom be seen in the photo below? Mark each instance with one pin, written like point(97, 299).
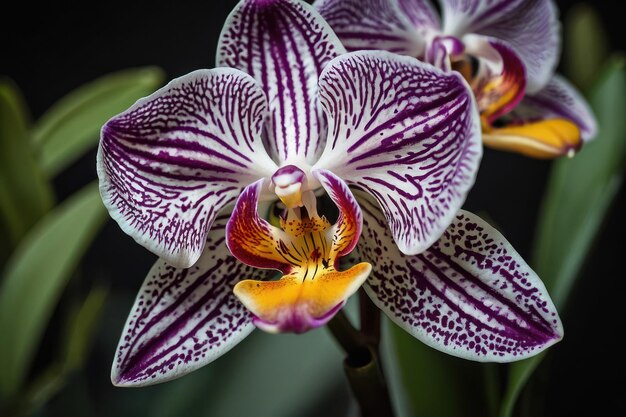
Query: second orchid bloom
point(290, 116)
point(506, 49)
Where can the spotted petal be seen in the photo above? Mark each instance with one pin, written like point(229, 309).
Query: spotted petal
point(169, 163)
point(372, 24)
point(283, 44)
point(470, 295)
point(405, 132)
point(184, 319)
point(531, 27)
point(558, 100)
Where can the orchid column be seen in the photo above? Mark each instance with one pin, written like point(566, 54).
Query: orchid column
point(289, 116)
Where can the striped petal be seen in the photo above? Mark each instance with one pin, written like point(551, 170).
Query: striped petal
point(421, 13)
point(172, 161)
point(184, 319)
point(372, 24)
point(558, 100)
point(284, 45)
point(531, 27)
point(307, 251)
point(500, 92)
point(408, 134)
point(470, 295)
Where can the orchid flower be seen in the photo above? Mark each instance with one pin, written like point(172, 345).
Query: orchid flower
point(506, 49)
point(288, 116)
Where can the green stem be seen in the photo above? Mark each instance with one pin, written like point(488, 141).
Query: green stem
point(362, 367)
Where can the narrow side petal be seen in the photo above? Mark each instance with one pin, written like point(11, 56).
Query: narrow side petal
point(347, 230)
point(497, 93)
point(252, 239)
point(284, 45)
point(184, 319)
point(407, 133)
point(531, 27)
point(172, 161)
point(372, 24)
point(558, 100)
point(470, 295)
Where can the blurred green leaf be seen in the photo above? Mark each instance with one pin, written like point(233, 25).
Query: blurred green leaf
point(25, 195)
point(580, 190)
point(578, 196)
point(36, 275)
point(72, 126)
point(436, 384)
point(586, 45)
point(83, 321)
point(266, 375)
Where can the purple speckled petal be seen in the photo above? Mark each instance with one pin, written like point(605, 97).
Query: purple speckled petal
point(470, 295)
point(184, 319)
point(559, 99)
point(531, 27)
point(283, 44)
point(372, 24)
point(169, 163)
point(405, 132)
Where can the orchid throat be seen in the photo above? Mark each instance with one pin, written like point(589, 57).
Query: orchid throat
point(306, 249)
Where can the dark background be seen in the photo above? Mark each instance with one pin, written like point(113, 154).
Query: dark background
point(50, 50)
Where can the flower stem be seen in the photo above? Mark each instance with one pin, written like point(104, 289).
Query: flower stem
point(362, 366)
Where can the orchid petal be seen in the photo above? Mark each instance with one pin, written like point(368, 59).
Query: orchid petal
point(542, 139)
point(184, 319)
point(497, 93)
point(530, 27)
point(421, 13)
point(284, 45)
point(252, 239)
point(307, 251)
point(174, 159)
point(470, 295)
point(372, 24)
point(407, 133)
point(558, 100)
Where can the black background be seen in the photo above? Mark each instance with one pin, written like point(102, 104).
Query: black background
point(49, 50)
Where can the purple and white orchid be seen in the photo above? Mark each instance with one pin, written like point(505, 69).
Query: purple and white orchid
point(506, 49)
point(287, 115)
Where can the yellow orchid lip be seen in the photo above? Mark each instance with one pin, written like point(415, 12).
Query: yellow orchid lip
point(543, 139)
point(306, 249)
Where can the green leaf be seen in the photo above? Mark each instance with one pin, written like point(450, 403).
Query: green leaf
point(72, 126)
point(83, 321)
point(267, 375)
point(579, 194)
point(580, 190)
point(434, 383)
point(586, 45)
point(36, 275)
point(25, 195)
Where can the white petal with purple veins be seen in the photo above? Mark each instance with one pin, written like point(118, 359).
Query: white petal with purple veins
point(172, 161)
point(372, 24)
point(559, 99)
point(184, 319)
point(530, 27)
point(470, 295)
point(421, 13)
point(283, 44)
point(407, 133)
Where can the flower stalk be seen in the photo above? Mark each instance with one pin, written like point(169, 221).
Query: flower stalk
point(362, 365)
